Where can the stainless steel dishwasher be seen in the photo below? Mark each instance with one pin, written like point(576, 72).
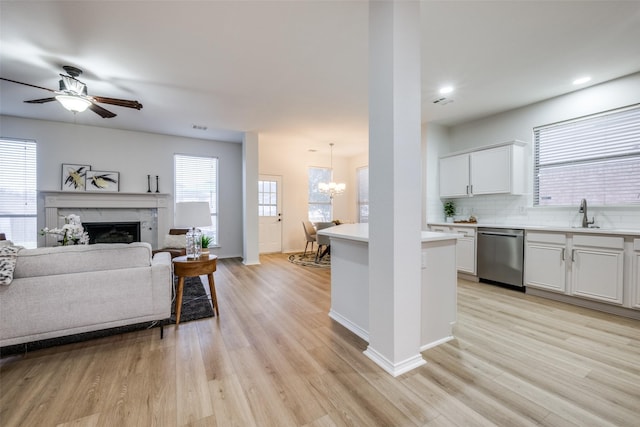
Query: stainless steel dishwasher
point(501, 255)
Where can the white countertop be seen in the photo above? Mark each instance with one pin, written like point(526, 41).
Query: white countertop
point(360, 233)
point(550, 228)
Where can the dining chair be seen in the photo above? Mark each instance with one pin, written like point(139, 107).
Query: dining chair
point(309, 233)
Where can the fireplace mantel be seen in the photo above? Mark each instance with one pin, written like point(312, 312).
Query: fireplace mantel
point(57, 200)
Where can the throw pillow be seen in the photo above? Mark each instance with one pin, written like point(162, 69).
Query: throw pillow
point(175, 241)
point(8, 257)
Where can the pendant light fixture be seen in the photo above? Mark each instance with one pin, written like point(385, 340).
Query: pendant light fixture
point(331, 188)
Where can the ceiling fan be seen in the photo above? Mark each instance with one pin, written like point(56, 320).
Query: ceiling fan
point(73, 95)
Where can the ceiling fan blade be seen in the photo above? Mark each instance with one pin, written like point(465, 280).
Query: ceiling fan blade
point(40, 101)
point(26, 84)
point(104, 113)
point(118, 102)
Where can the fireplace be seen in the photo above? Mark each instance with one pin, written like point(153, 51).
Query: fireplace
point(112, 232)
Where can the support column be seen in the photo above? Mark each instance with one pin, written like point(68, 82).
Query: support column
point(250, 170)
point(394, 185)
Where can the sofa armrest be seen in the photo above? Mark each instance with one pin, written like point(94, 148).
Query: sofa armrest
point(160, 258)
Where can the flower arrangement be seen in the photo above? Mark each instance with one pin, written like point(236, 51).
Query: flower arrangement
point(71, 233)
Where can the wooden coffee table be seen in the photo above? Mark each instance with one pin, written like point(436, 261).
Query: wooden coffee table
point(192, 267)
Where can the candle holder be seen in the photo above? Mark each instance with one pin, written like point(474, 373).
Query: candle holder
point(157, 184)
point(148, 183)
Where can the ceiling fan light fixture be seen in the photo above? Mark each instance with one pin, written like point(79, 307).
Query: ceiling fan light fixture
point(73, 103)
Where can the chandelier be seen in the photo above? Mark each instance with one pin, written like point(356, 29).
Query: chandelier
point(331, 188)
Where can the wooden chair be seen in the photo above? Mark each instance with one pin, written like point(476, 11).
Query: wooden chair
point(309, 233)
point(175, 252)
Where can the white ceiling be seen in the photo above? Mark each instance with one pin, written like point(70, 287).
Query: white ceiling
point(296, 71)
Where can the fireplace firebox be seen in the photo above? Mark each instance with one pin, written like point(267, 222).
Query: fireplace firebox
point(112, 232)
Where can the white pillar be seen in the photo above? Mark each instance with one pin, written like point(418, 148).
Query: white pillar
point(250, 249)
point(394, 185)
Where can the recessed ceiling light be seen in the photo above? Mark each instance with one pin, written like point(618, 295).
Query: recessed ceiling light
point(581, 80)
point(446, 89)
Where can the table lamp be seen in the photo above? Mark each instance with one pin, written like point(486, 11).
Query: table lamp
point(192, 215)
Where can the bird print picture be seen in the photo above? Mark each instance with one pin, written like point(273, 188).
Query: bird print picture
point(102, 181)
point(74, 177)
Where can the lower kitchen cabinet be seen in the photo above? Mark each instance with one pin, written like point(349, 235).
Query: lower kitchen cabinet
point(592, 266)
point(635, 276)
point(545, 261)
point(465, 246)
point(597, 267)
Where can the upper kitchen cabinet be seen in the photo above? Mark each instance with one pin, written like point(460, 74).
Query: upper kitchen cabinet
point(499, 169)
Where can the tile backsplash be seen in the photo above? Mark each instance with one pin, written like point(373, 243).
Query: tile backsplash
point(517, 210)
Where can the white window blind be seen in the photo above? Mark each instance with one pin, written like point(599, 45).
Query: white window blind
point(18, 192)
point(196, 180)
point(362, 175)
point(319, 202)
point(595, 158)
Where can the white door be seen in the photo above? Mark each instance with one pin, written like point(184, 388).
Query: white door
point(269, 212)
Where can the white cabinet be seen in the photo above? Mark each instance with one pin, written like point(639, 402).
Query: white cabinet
point(454, 176)
point(583, 265)
point(545, 261)
point(635, 275)
point(597, 267)
point(496, 170)
point(465, 246)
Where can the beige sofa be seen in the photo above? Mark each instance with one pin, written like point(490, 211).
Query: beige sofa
point(68, 290)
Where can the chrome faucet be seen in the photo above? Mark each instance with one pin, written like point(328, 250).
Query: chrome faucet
point(583, 211)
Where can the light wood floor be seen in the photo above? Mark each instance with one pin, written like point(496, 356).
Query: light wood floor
point(274, 358)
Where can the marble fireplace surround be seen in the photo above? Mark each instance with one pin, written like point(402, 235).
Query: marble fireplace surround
point(150, 209)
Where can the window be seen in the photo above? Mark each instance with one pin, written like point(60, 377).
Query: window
point(362, 175)
point(197, 181)
point(267, 198)
point(595, 158)
point(319, 202)
point(18, 192)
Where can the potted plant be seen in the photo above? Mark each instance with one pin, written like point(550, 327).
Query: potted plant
point(205, 240)
point(449, 210)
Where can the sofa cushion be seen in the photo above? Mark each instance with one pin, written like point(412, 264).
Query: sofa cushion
point(81, 258)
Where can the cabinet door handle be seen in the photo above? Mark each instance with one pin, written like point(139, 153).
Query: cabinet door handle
point(471, 189)
point(467, 189)
point(573, 253)
point(563, 254)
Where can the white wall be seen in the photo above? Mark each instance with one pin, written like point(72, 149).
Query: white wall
point(134, 155)
point(291, 162)
point(519, 124)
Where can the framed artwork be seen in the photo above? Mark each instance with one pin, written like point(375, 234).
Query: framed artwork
point(74, 177)
point(103, 181)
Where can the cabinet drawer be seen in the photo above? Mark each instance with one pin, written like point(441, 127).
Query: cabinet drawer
point(440, 228)
point(553, 238)
point(465, 231)
point(610, 242)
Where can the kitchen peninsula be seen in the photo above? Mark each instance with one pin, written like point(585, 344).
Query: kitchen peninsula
point(350, 282)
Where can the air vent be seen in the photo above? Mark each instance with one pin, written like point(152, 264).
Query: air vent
point(443, 101)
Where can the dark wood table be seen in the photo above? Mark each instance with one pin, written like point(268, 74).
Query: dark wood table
point(192, 267)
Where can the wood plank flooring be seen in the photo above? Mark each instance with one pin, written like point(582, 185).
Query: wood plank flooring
point(275, 358)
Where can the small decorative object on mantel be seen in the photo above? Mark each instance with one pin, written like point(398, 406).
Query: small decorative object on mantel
point(157, 184)
point(71, 233)
point(449, 210)
point(74, 177)
point(148, 183)
point(104, 181)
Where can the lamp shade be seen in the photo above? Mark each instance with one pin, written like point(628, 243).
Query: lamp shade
point(192, 214)
point(73, 103)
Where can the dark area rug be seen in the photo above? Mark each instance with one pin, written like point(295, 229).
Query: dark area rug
point(195, 305)
point(309, 260)
point(195, 301)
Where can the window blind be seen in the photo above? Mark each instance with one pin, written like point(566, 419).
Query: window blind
point(196, 180)
point(595, 158)
point(18, 191)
